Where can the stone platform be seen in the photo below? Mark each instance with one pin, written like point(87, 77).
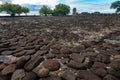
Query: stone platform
point(36, 58)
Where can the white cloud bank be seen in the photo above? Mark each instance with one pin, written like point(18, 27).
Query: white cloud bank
point(73, 0)
point(37, 2)
point(103, 8)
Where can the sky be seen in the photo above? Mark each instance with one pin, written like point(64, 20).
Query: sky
point(102, 6)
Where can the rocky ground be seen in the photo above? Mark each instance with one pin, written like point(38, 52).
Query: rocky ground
point(35, 57)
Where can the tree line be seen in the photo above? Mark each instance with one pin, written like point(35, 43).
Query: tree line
point(59, 10)
point(13, 9)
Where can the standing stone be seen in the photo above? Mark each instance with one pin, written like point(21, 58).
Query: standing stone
point(74, 12)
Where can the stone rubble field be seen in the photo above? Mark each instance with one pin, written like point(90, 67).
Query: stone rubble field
point(60, 49)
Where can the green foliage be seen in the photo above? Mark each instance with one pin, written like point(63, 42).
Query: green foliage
point(12, 9)
point(61, 10)
point(116, 5)
point(45, 10)
point(25, 10)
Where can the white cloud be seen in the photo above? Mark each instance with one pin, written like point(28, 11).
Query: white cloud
point(2, 1)
point(103, 8)
point(72, 0)
point(38, 2)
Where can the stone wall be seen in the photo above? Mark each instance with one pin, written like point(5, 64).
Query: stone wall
point(65, 28)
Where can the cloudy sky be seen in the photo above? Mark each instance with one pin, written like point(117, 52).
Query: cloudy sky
point(102, 6)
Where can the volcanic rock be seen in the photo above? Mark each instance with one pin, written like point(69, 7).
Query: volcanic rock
point(43, 72)
point(110, 77)
point(52, 65)
point(51, 77)
point(18, 75)
point(99, 71)
point(76, 65)
point(67, 75)
point(35, 61)
point(2, 65)
point(99, 65)
point(7, 52)
point(77, 57)
point(8, 69)
point(30, 52)
point(87, 75)
point(65, 51)
point(30, 76)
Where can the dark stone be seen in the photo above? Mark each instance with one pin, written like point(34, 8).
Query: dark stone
point(9, 69)
point(52, 65)
point(62, 56)
point(65, 51)
point(2, 66)
point(44, 48)
point(65, 60)
point(56, 46)
point(4, 45)
point(54, 51)
point(35, 61)
point(41, 53)
point(30, 76)
point(4, 77)
point(77, 57)
point(50, 56)
point(98, 65)
point(115, 65)
point(37, 47)
point(20, 53)
point(3, 49)
point(43, 72)
point(87, 75)
point(7, 52)
point(21, 62)
point(13, 43)
point(114, 72)
point(22, 44)
point(51, 78)
point(67, 75)
point(18, 75)
point(30, 52)
point(77, 49)
point(90, 54)
point(76, 65)
point(18, 49)
point(110, 77)
point(29, 47)
point(106, 58)
point(99, 71)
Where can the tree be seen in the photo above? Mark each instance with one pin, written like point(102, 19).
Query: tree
point(11, 9)
point(61, 9)
point(45, 10)
point(25, 10)
point(116, 5)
